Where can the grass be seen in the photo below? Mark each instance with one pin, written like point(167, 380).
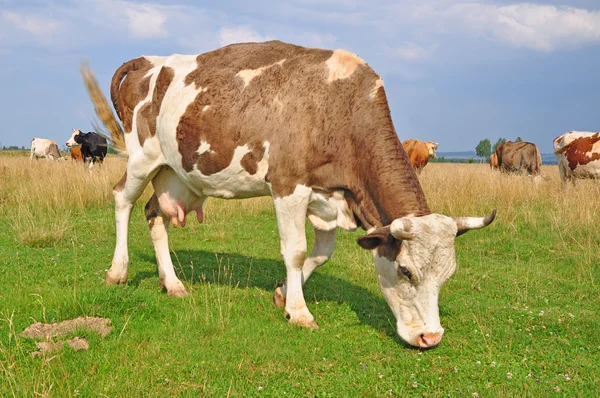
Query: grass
point(520, 313)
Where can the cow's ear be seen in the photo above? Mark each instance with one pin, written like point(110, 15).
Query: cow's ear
point(375, 238)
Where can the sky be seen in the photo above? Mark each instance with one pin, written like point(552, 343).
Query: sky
point(455, 72)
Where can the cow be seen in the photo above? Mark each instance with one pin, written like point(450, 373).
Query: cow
point(578, 155)
point(419, 152)
point(44, 148)
point(309, 127)
point(494, 161)
point(93, 146)
point(519, 157)
point(76, 153)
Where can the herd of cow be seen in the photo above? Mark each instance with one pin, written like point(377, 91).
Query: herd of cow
point(577, 153)
point(86, 147)
point(312, 129)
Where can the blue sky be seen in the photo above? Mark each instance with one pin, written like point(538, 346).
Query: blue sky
point(455, 71)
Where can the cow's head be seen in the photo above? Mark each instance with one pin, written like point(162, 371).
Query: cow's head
point(73, 140)
point(414, 256)
point(431, 148)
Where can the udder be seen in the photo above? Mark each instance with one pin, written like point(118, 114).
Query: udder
point(175, 199)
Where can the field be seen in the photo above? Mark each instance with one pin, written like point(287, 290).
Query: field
point(521, 312)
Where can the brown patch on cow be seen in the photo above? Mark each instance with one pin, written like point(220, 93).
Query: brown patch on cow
point(119, 186)
point(101, 326)
point(390, 249)
point(250, 160)
point(48, 347)
point(129, 87)
point(146, 118)
point(581, 151)
point(518, 157)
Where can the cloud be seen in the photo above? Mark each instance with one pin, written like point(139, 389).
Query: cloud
point(28, 27)
point(410, 51)
point(146, 21)
point(534, 26)
point(239, 34)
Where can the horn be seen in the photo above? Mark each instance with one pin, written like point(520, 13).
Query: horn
point(465, 224)
point(400, 229)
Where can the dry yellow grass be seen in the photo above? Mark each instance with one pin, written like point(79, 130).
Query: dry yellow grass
point(32, 190)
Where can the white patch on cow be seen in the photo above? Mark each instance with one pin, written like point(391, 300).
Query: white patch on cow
point(378, 85)
point(326, 211)
point(203, 148)
point(233, 181)
point(248, 74)
point(205, 108)
point(414, 302)
point(342, 65)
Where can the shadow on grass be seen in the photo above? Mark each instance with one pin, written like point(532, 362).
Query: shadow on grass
point(197, 266)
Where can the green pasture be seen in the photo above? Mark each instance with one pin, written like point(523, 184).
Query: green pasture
point(521, 314)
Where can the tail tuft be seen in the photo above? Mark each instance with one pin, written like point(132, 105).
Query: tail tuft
point(111, 128)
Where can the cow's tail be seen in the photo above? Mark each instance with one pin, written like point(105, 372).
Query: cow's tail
point(112, 129)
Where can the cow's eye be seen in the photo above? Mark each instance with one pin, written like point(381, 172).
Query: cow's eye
point(405, 272)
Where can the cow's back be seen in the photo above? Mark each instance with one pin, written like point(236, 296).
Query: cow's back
point(519, 156)
point(578, 154)
point(232, 110)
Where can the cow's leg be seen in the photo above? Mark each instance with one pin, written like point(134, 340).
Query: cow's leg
point(320, 254)
point(125, 192)
point(291, 213)
point(158, 224)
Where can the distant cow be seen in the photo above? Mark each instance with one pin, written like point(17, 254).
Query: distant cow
point(519, 157)
point(43, 148)
point(93, 146)
point(76, 153)
point(578, 155)
point(494, 161)
point(419, 152)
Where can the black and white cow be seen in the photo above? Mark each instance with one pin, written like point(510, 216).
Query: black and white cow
point(309, 127)
point(93, 146)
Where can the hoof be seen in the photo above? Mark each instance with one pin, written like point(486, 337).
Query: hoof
point(112, 280)
point(305, 324)
point(278, 298)
point(177, 293)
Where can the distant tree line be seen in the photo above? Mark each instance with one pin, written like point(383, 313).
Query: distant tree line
point(485, 149)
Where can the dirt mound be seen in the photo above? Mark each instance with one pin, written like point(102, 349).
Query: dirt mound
point(49, 330)
point(52, 346)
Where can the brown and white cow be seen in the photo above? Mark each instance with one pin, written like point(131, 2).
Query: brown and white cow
point(76, 153)
point(44, 148)
point(519, 157)
point(311, 128)
point(578, 155)
point(419, 152)
point(494, 161)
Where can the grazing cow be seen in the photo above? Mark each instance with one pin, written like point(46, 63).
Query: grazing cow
point(494, 161)
point(43, 148)
point(76, 153)
point(419, 152)
point(311, 128)
point(578, 155)
point(93, 146)
point(519, 157)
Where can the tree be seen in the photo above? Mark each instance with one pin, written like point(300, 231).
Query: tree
point(519, 139)
point(484, 149)
point(499, 142)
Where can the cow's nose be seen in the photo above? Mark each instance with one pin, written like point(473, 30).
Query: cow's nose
point(428, 340)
